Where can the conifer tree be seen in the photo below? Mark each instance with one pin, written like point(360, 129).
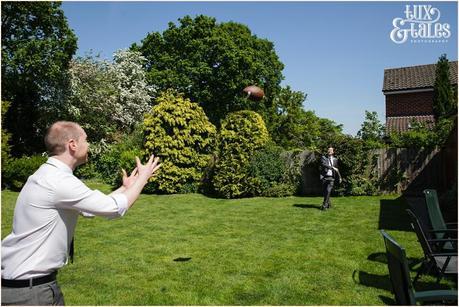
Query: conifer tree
point(444, 103)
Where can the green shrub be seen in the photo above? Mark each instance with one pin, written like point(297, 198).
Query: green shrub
point(269, 169)
point(280, 190)
point(267, 164)
point(242, 134)
point(16, 171)
point(179, 132)
point(359, 185)
point(107, 160)
point(110, 163)
point(421, 136)
point(87, 171)
point(300, 162)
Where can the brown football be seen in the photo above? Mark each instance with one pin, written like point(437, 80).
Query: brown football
point(253, 92)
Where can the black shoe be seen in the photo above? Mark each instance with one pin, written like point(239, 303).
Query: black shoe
point(323, 208)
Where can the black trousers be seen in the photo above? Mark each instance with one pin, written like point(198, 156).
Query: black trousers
point(327, 184)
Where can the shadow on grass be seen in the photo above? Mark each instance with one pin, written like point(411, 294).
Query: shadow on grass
point(383, 282)
point(392, 215)
point(307, 206)
point(182, 259)
point(387, 300)
point(382, 258)
point(378, 257)
point(372, 280)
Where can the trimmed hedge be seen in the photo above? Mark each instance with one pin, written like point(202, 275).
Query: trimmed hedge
point(179, 132)
point(242, 134)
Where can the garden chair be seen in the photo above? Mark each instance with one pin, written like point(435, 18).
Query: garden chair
point(400, 278)
point(443, 262)
point(436, 217)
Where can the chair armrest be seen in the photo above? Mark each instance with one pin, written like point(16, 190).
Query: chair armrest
point(436, 295)
point(448, 233)
point(442, 240)
point(440, 244)
point(442, 230)
point(444, 254)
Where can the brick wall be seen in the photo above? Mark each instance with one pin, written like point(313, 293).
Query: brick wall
point(409, 104)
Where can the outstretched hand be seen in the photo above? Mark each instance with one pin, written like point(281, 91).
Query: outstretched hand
point(147, 170)
point(134, 184)
point(128, 181)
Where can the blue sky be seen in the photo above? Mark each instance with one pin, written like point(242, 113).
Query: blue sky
point(335, 52)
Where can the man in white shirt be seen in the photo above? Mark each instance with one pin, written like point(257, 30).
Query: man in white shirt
point(328, 174)
point(46, 214)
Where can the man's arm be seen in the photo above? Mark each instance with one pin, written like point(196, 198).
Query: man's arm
point(335, 164)
point(335, 168)
point(76, 195)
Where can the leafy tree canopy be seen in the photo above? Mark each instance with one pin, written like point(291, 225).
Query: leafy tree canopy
point(294, 127)
point(372, 130)
point(37, 46)
point(211, 63)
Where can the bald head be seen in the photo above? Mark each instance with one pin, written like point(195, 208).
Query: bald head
point(59, 134)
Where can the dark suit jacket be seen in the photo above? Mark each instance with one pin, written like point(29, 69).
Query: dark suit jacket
point(325, 166)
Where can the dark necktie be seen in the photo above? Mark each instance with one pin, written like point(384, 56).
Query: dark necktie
point(72, 249)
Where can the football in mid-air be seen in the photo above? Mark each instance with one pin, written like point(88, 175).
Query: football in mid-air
point(254, 92)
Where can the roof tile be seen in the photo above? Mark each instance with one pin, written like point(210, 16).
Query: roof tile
point(402, 123)
point(414, 77)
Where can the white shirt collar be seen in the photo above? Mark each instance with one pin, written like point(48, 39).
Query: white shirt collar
point(59, 164)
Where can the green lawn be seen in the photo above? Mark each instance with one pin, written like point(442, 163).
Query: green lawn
point(258, 251)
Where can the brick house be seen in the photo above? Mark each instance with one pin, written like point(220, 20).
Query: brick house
point(409, 95)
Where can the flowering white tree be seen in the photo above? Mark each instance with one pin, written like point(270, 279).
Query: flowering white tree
point(134, 92)
point(108, 97)
point(92, 99)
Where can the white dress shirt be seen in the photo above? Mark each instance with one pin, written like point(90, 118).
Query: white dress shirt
point(330, 162)
point(45, 217)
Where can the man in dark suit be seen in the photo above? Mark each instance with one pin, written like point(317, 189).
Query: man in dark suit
point(329, 172)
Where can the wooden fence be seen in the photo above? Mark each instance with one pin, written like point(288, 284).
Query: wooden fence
point(409, 171)
point(399, 170)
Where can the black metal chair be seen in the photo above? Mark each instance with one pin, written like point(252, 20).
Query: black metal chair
point(400, 278)
point(436, 218)
point(443, 261)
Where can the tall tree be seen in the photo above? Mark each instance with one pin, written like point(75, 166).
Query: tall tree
point(106, 98)
point(211, 63)
point(288, 124)
point(444, 102)
point(292, 126)
point(37, 46)
point(372, 130)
